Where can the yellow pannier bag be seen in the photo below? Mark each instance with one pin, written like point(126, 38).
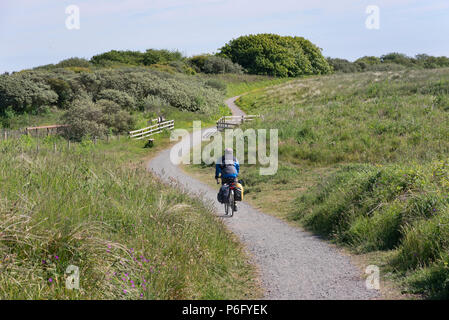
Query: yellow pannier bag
point(238, 192)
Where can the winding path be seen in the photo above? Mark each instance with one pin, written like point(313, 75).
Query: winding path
point(293, 263)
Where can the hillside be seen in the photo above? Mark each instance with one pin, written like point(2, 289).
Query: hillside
point(363, 162)
point(370, 152)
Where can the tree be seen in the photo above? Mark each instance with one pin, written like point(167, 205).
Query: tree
point(271, 54)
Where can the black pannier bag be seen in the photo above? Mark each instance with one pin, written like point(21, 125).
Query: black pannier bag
point(223, 194)
point(238, 193)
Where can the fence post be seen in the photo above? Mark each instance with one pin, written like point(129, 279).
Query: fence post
point(6, 135)
point(54, 147)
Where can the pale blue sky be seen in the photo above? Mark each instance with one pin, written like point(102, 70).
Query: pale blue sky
point(33, 32)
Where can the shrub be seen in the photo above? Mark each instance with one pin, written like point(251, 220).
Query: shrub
point(73, 62)
point(152, 56)
point(343, 65)
point(198, 61)
point(136, 58)
point(121, 57)
point(23, 94)
point(115, 118)
point(62, 89)
point(398, 58)
point(271, 54)
point(384, 67)
point(84, 118)
point(218, 65)
point(153, 104)
point(124, 100)
point(182, 67)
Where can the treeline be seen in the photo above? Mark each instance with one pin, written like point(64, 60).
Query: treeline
point(99, 100)
point(388, 62)
point(162, 60)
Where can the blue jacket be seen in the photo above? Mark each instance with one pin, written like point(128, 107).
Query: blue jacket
point(229, 170)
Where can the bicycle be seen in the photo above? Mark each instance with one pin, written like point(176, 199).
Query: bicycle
point(230, 205)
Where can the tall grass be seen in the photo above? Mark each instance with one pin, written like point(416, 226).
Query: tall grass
point(131, 236)
point(383, 139)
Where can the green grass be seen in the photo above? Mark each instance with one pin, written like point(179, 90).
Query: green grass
point(371, 152)
point(237, 84)
point(96, 207)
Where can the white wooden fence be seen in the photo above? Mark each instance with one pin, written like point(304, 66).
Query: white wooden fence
point(228, 122)
point(149, 131)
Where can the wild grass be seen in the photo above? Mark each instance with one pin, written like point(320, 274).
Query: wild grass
point(380, 141)
point(374, 117)
point(97, 208)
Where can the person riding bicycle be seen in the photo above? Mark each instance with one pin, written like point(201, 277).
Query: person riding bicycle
point(228, 166)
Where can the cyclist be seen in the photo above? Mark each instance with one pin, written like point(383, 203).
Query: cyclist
point(228, 166)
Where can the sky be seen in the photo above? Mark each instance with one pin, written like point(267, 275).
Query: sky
point(34, 32)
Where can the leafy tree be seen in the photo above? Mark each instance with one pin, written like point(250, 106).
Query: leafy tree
point(271, 54)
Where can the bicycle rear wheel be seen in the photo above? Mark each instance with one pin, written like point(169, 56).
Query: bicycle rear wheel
point(231, 203)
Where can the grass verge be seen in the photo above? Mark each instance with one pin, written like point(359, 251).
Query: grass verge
point(97, 208)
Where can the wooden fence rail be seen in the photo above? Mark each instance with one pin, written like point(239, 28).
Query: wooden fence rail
point(149, 131)
point(229, 122)
point(6, 134)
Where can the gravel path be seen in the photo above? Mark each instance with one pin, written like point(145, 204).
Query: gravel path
point(294, 264)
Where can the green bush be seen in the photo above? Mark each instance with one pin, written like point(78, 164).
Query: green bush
point(364, 62)
point(22, 93)
point(342, 65)
point(115, 118)
point(221, 65)
point(135, 58)
point(271, 54)
point(128, 87)
point(154, 104)
point(214, 64)
point(398, 58)
point(152, 56)
point(124, 100)
point(73, 62)
point(88, 119)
